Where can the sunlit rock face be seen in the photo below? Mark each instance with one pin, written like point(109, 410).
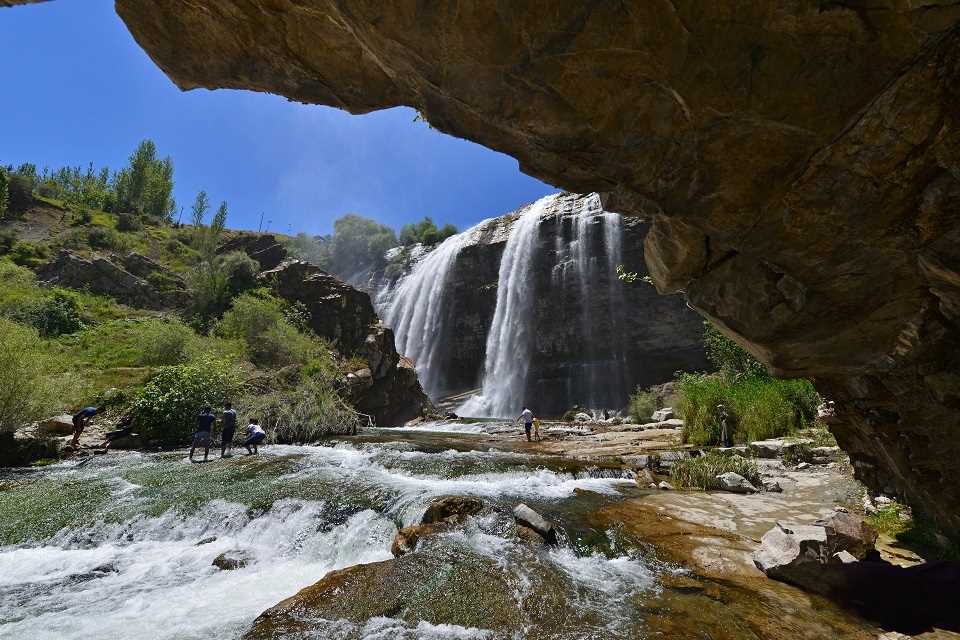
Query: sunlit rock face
point(800, 161)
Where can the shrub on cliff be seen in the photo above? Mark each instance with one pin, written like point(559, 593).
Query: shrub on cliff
point(303, 414)
point(758, 408)
point(167, 407)
point(56, 314)
point(271, 340)
point(731, 359)
point(26, 392)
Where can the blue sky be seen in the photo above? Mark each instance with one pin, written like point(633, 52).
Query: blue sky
point(77, 88)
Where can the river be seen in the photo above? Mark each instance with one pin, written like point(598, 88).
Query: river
point(121, 546)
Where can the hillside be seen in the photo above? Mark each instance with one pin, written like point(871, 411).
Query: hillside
point(141, 316)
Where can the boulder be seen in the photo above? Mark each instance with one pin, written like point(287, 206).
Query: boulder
point(734, 483)
point(638, 461)
point(452, 509)
point(665, 486)
point(264, 248)
point(795, 554)
point(645, 479)
point(850, 533)
point(99, 275)
point(144, 267)
point(527, 517)
point(667, 459)
point(233, 559)
point(56, 426)
point(661, 415)
point(22, 448)
point(530, 536)
point(407, 538)
point(583, 417)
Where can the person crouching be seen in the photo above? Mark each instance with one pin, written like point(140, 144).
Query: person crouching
point(255, 435)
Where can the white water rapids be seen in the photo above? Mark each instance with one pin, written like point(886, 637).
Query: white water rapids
point(136, 567)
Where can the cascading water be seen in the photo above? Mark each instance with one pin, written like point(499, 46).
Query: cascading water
point(414, 309)
point(509, 340)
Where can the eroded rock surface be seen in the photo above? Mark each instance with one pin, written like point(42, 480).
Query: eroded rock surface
point(799, 161)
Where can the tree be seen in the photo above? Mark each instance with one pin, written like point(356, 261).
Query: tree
point(25, 390)
point(199, 209)
point(146, 184)
point(359, 243)
point(4, 192)
point(425, 232)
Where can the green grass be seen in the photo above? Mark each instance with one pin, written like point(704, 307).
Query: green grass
point(898, 522)
point(699, 472)
point(759, 408)
point(642, 405)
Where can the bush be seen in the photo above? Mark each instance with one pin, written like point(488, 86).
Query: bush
point(731, 359)
point(166, 408)
point(166, 342)
point(271, 340)
point(29, 254)
point(308, 412)
point(81, 218)
point(241, 271)
point(129, 222)
point(56, 314)
point(642, 405)
point(26, 392)
point(700, 472)
point(759, 408)
point(8, 238)
point(105, 238)
point(20, 193)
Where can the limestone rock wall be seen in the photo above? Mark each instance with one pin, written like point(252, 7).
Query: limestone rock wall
point(800, 161)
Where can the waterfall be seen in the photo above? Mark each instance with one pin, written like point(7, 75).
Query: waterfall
point(509, 340)
point(414, 309)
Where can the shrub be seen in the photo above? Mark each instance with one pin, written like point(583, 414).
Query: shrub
point(759, 408)
point(700, 472)
point(308, 412)
point(165, 342)
point(81, 217)
point(8, 238)
point(26, 392)
point(730, 358)
point(20, 193)
point(241, 271)
point(129, 222)
point(271, 340)
point(167, 407)
point(29, 254)
point(642, 405)
point(56, 314)
point(105, 238)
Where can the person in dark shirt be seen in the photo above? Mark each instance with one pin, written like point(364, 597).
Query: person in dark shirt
point(229, 428)
point(80, 419)
point(204, 432)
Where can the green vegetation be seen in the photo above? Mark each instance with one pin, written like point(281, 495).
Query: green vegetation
point(758, 408)
point(167, 407)
point(700, 472)
point(4, 192)
point(258, 319)
point(425, 232)
point(305, 413)
point(642, 405)
point(26, 389)
point(758, 405)
point(897, 521)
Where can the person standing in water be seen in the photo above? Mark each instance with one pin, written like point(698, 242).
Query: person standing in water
point(80, 419)
point(527, 417)
point(229, 428)
point(255, 435)
point(204, 433)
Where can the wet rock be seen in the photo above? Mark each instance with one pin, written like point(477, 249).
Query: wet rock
point(105, 568)
point(665, 486)
point(407, 538)
point(803, 465)
point(530, 536)
point(793, 554)
point(645, 479)
point(667, 459)
point(56, 426)
point(583, 417)
point(452, 509)
point(845, 557)
point(98, 275)
point(772, 486)
point(22, 448)
point(206, 540)
point(231, 560)
point(527, 517)
point(640, 461)
point(662, 415)
point(734, 483)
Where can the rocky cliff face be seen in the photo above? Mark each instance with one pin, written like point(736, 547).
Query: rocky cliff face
point(596, 337)
point(388, 389)
point(800, 161)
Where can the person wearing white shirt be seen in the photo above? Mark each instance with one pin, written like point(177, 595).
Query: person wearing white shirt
point(527, 416)
point(255, 435)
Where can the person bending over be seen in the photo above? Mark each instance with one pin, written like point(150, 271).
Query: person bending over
point(204, 430)
point(255, 435)
point(80, 419)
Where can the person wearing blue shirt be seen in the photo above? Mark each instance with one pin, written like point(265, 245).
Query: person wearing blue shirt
point(80, 419)
point(204, 433)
